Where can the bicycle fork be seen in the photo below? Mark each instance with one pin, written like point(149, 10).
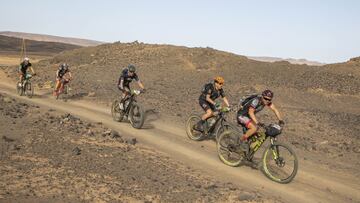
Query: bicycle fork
point(274, 150)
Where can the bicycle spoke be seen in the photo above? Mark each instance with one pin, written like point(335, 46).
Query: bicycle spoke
point(280, 163)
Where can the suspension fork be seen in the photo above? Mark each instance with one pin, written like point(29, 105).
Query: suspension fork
point(274, 149)
point(131, 100)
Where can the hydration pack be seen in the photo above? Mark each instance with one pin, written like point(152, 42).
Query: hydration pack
point(245, 99)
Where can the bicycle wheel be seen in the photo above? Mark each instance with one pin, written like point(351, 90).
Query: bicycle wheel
point(116, 113)
point(191, 132)
point(136, 115)
point(228, 148)
point(280, 163)
point(222, 128)
point(28, 89)
point(19, 89)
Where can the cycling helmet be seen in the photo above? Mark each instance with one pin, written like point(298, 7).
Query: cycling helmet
point(64, 66)
point(131, 68)
point(26, 59)
point(268, 93)
point(219, 80)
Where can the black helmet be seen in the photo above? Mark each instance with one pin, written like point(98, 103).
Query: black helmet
point(131, 68)
point(268, 93)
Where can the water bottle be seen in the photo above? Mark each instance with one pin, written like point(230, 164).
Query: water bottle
point(211, 122)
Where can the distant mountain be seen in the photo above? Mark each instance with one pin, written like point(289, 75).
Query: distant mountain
point(13, 45)
point(51, 38)
point(290, 60)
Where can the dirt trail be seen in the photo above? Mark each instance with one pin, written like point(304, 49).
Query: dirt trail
point(311, 184)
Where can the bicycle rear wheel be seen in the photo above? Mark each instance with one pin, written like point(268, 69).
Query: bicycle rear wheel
point(226, 126)
point(116, 113)
point(191, 132)
point(228, 148)
point(279, 163)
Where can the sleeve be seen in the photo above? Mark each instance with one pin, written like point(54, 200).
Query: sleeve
point(136, 77)
point(121, 82)
point(222, 93)
point(208, 89)
point(254, 103)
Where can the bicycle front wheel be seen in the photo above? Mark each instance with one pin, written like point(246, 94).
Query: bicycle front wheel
point(191, 130)
point(29, 90)
point(280, 163)
point(137, 115)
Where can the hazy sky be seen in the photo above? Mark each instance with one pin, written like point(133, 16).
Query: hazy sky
point(323, 30)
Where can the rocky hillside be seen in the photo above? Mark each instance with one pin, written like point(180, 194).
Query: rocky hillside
point(320, 105)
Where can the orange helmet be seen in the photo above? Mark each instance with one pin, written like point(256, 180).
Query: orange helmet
point(219, 80)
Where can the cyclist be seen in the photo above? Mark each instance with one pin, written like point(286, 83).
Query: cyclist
point(24, 66)
point(63, 76)
point(210, 93)
point(127, 76)
point(246, 115)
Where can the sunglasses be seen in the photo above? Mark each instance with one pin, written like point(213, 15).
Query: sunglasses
point(220, 83)
point(267, 99)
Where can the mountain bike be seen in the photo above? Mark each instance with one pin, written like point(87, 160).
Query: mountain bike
point(213, 126)
point(25, 87)
point(131, 110)
point(279, 161)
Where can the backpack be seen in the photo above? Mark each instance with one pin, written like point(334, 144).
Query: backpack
point(245, 99)
point(204, 87)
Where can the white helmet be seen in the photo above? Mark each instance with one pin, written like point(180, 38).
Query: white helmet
point(26, 59)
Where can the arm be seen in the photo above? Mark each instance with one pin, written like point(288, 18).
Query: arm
point(32, 70)
point(121, 83)
point(226, 101)
point(252, 115)
point(274, 109)
point(141, 85)
point(208, 99)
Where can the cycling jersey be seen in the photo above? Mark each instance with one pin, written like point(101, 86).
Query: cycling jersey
point(23, 67)
point(61, 72)
point(255, 103)
point(125, 79)
point(209, 89)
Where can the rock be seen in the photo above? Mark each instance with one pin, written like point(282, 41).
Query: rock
point(106, 133)
point(7, 139)
point(76, 151)
point(91, 94)
point(324, 142)
point(245, 196)
point(90, 133)
point(7, 99)
point(356, 149)
point(211, 186)
point(115, 134)
point(15, 147)
point(132, 141)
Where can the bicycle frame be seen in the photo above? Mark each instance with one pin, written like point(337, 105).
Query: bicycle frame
point(219, 118)
point(131, 100)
